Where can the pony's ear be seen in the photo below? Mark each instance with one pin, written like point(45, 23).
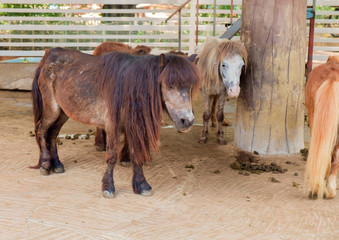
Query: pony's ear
point(163, 61)
point(192, 58)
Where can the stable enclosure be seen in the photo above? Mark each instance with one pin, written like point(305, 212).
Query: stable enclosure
point(29, 27)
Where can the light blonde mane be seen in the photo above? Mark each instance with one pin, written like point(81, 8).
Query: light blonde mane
point(211, 53)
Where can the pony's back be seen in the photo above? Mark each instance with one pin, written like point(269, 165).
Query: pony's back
point(106, 47)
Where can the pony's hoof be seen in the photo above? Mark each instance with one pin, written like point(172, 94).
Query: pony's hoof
point(330, 195)
point(44, 172)
point(226, 123)
point(146, 193)
point(59, 170)
point(125, 164)
point(108, 194)
point(312, 195)
point(203, 141)
point(100, 148)
point(221, 142)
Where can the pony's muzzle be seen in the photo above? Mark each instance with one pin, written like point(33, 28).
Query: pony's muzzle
point(185, 124)
point(233, 92)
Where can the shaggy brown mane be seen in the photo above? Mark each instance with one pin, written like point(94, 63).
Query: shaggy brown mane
point(211, 53)
point(134, 96)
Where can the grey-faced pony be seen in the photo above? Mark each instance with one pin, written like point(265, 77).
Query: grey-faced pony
point(221, 62)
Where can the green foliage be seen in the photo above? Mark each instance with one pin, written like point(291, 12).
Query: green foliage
point(30, 6)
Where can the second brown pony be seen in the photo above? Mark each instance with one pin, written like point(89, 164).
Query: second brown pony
point(322, 102)
point(105, 47)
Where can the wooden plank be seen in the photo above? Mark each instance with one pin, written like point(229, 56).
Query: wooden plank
point(40, 10)
point(80, 44)
point(326, 30)
point(319, 13)
point(90, 36)
point(326, 48)
point(122, 2)
point(78, 19)
point(92, 27)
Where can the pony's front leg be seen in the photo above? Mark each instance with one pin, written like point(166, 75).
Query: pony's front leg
point(206, 118)
point(140, 185)
point(220, 118)
point(213, 117)
point(108, 188)
point(331, 184)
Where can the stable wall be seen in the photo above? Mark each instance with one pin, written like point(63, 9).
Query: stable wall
point(17, 76)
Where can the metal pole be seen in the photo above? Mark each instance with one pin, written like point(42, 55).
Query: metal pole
point(231, 17)
point(179, 30)
point(310, 42)
point(214, 16)
point(197, 24)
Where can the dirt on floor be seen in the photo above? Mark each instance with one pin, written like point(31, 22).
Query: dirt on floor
point(196, 194)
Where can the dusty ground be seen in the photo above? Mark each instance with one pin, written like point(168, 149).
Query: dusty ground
point(211, 201)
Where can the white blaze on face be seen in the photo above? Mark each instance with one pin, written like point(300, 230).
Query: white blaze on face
point(230, 71)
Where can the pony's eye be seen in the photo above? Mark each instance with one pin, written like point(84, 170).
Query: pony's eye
point(224, 66)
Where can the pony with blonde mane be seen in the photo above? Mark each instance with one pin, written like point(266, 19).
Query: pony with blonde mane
point(220, 63)
point(322, 102)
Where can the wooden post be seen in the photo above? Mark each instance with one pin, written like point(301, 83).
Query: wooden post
point(270, 113)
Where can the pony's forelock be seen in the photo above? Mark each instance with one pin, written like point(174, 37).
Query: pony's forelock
point(180, 72)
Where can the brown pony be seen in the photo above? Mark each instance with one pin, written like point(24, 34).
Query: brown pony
point(322, 102)
point(114, 91)
point(220, 63)
point(105, 47)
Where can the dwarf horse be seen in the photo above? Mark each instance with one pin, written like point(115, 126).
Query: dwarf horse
point(105, 47)
point(322, 102)
point(220, 63)
point(115, 91)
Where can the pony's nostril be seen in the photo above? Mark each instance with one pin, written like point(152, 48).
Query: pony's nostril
point(186, 123)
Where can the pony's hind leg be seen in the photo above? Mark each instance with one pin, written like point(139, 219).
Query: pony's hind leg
point(220, 118)
point(125, 158)
point(331, 183)
point(46, 139)
point(206, 118)
point(140, 185)
point(52, 134)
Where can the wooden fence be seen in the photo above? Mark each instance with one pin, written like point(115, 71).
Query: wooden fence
point(33, 25)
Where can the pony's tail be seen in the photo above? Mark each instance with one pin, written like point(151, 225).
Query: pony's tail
point(37, 99)
point(323, 136)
